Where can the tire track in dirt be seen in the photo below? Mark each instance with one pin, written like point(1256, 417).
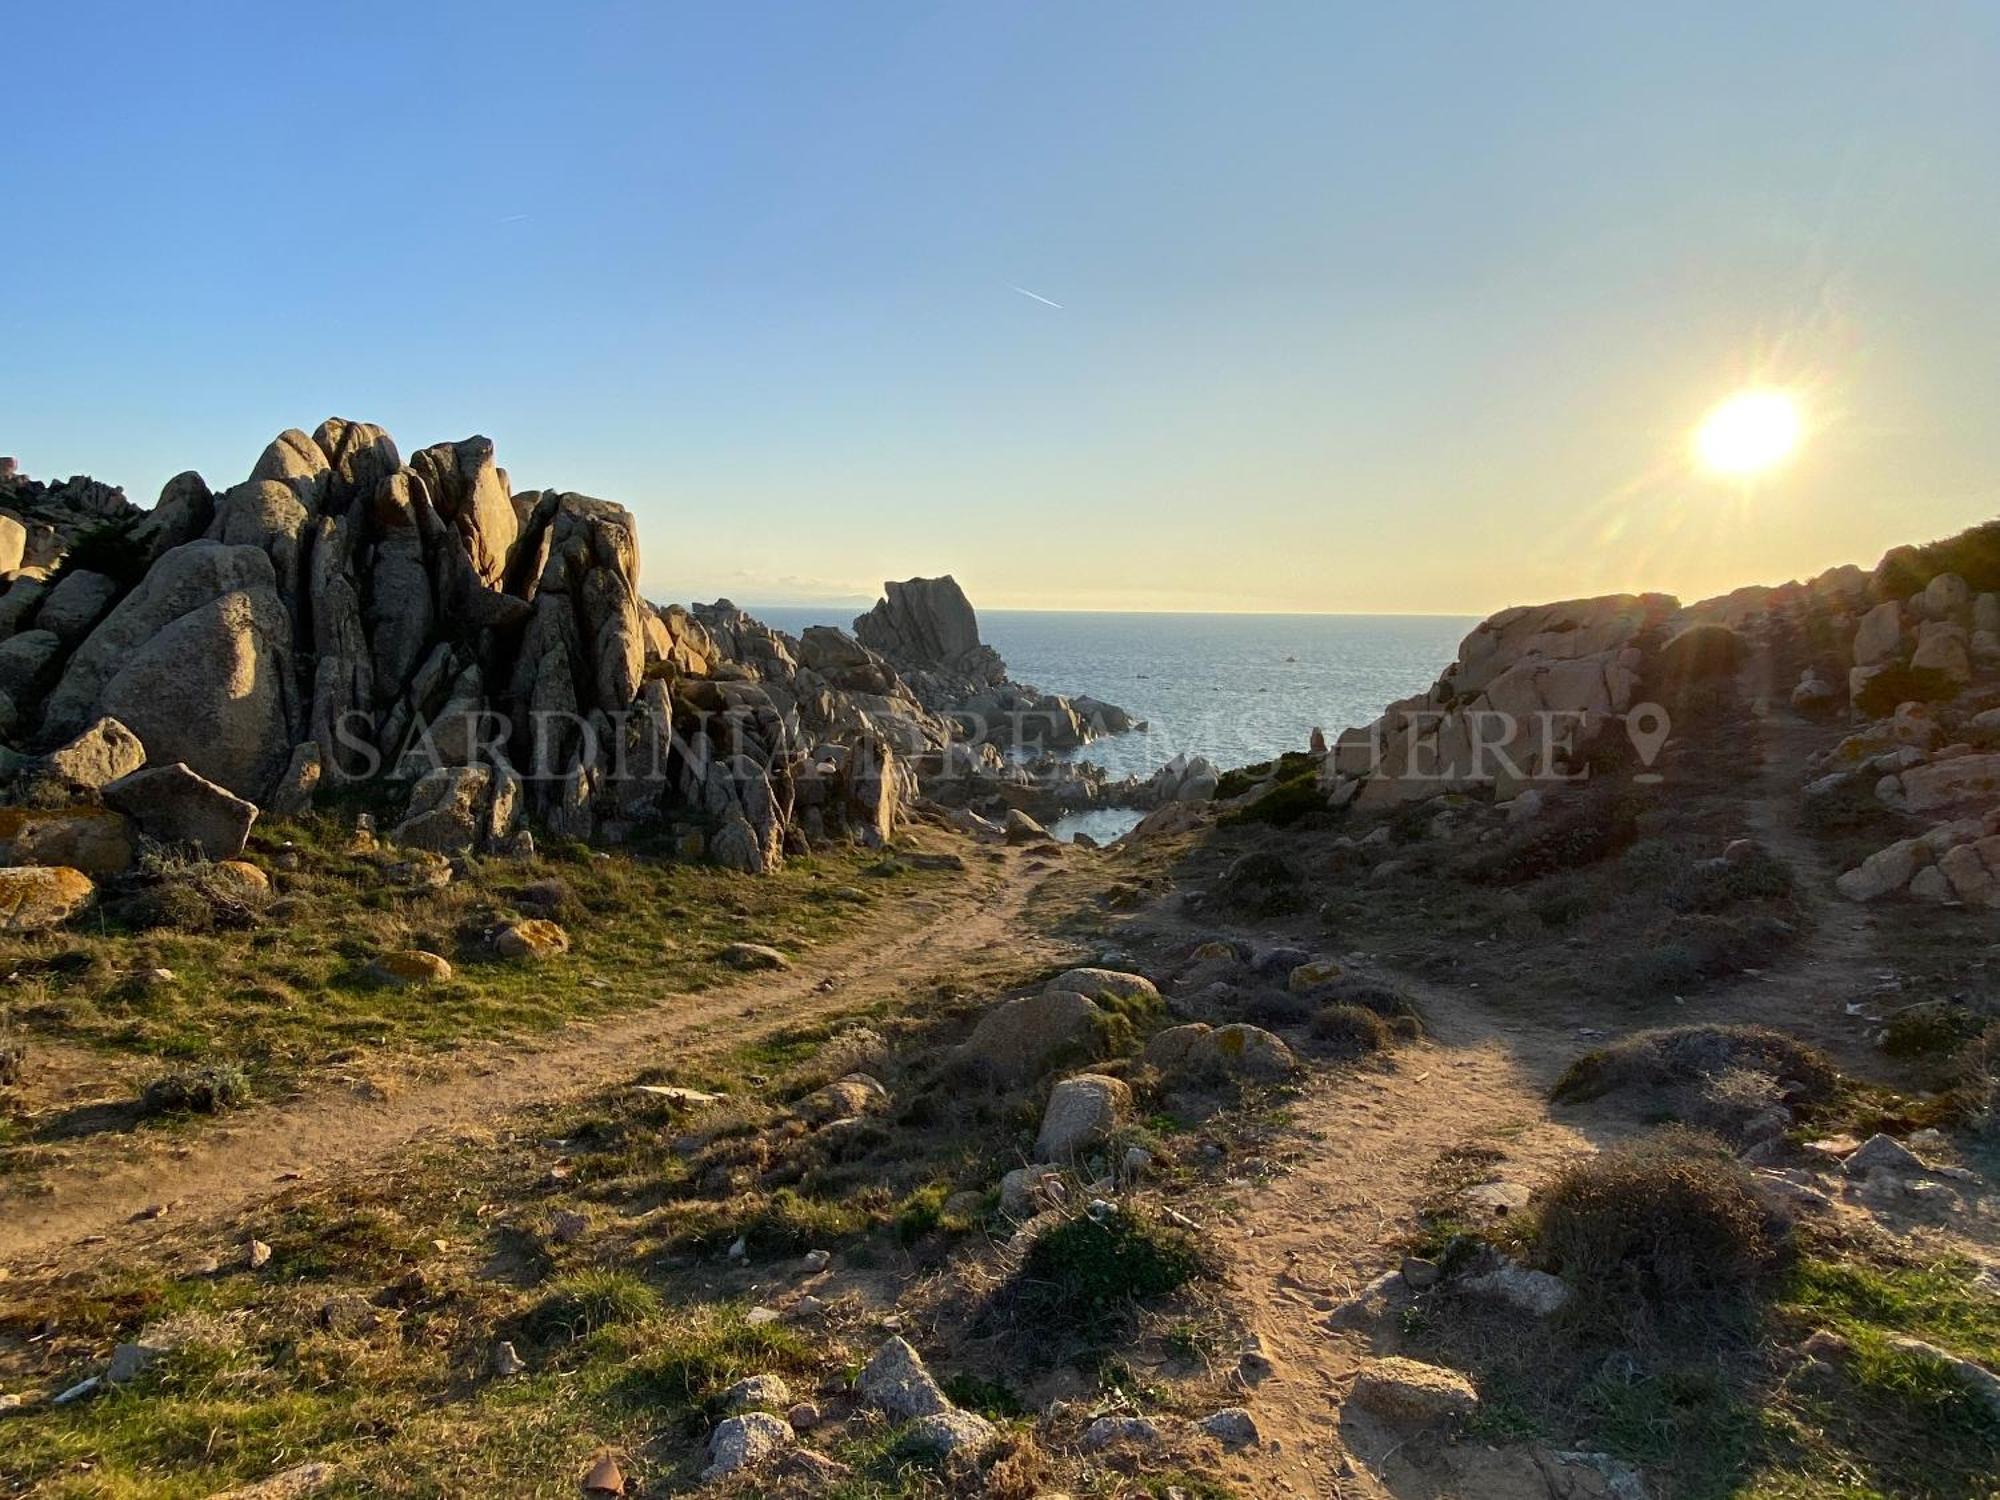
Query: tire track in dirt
point(334, 1130)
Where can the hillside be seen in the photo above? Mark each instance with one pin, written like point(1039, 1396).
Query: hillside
point(1577, 1083)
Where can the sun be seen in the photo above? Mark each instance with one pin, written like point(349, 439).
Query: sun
point(1749, 433)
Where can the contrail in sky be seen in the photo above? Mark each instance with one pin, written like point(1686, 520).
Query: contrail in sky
point(1036, 295)
point(513, 218)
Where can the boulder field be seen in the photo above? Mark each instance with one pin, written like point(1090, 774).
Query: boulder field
point(348, 614)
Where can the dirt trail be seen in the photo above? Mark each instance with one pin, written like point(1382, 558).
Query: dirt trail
point(1324, 1232)
point(334, 1130)
point(1370, 1138)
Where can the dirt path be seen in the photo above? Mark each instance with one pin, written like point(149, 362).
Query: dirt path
point(1368, 1140)
point(334, 1130)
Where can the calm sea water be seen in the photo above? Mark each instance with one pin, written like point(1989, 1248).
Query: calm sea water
point(1236, 688)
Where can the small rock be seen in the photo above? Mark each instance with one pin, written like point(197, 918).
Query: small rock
point(950, 1431)
point(1106, 1431)
point(817, 1469)
point(1407, 1390)
point(130, 1361)
point(1419, 1273)
point(567, 1227)
point(803, 1417)
point(739, 1248)
point(1233, 1427)
point(744, 1442)
point(895, 1380)
point(506, 1361)
point(816, 1261)
point(533, 938)
point(257, 1254)
point(1975, 1377)
point(765, 1391)
point(411, 966)
point(1534, 1292)
point(753, 956)
point(1082, 1112)
point(1498, 1197)
point(1882, 1152)
point(604, 1478)
point(759, 1317)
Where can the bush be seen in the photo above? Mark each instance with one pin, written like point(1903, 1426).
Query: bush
point(1352, 1030)
point(1678, 1055)
point(1715, 885)
point(1263, 883)
point(1384, 1000)
point(1576, 830)
point(1973, 554)
point(174, 906)
point(1929, 1028)
point(1664, 1226)
point(206, 1090)
point(1295, 796)
point(1086, 1271)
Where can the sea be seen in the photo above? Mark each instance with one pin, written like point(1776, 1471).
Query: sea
point(1238, 689)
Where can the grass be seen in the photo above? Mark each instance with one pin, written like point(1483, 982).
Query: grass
point(275, 995)
point(1085, 1274)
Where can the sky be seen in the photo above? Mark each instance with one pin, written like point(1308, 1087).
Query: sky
point(1357, 307)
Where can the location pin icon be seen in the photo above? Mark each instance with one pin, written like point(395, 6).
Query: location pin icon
point(1647, 727)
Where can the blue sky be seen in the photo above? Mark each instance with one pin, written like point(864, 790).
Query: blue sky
point(1362, 308)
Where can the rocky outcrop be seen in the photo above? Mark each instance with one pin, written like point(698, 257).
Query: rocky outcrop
point(344, 614)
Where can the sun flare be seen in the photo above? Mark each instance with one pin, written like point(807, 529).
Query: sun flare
point(1749, 433)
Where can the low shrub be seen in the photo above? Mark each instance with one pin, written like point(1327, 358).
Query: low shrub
point(1717, 885)
point(1674, 1055)
point(1263, 883)
point(1660, 1228)
point(1591, 824)
point(1352, 1030)
point(1088, 1270)
point(205, 1090)
point(1929, 1029)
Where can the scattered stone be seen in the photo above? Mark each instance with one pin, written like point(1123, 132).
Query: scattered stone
point(1311, 976)
point(895, 1380)
point(257, 1254)
point(507, 1362)
point(1498, 1197)
point(753, 956)
point(534, 938)
point(411, 966)
point(1535, 1292)
point(1419, 1273)
point(130, 1361)
point(1022, 829)
point(744, 1442)
point(175, 806)
point(568, 1226)
point(1027, 1191)
point(288, 1484)
point(951, 1431)
point(1107, 1431)
point(1233, 1427)
point(1409, 1391)
point(803, 1417)
point(604, 1478)
point(1093, 983)
point(844, 1099)
point(816, 1261)
point(1884, 1153)
point(1082, 1113)
point(102, 754)
point(816, 1469)
point(758, 1317)
point(766, 1392)
point(1015, 1039)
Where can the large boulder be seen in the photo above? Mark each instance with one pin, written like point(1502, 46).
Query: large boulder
point(922, 621)
point(1965, 778)
point(196, 661)
point(78, 601)
point(176, 805)
point(13, 543)
point(1879, 637)
point(1942, 646)
point(1015, 1040)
